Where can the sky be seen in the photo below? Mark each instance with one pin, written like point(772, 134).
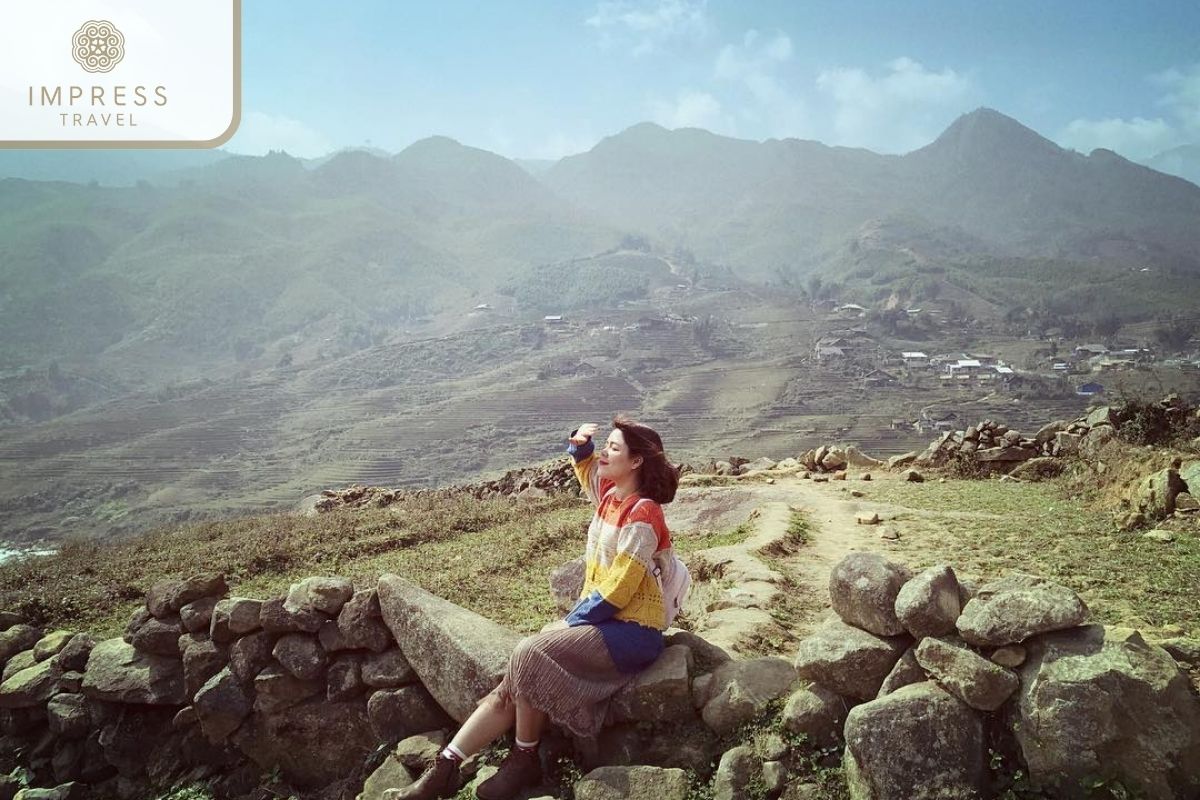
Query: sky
point(544, 80)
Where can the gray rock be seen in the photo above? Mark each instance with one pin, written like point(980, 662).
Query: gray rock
point(416, 752)
point(221, 705)
point(396, 714)
point(196, 616)
point(1155, 495)
point(277, 619)
point(202, 658)
point(847, 660)
point(965, 674)
point(907, 671)
point(1101, 702)
point(74, 654)
point(311, 742)
point(50, 644)
point(459, 655)
point(732, 779)
point(817, 713)
point(927, 605)
point(236, 615)
point(387, 670)
point(863, 589)
point(31, 686)
point(168, 597)
point(20, 661)
point(17, 638)
point(301, 654)
point(159, 636)
point(68, 715)
point(706, 655)
point(276, 689)
point(566, 583)
point(119, 673)
point(391, 774)
point(917, 742)
point(251, 654)
point(1017, 606)
point(1012, 655)
point(360, 624)
point(320, 593)
point(661, 691)
point(343, 680)
point(1183, 649)
point(633, 783)
point(739, 690)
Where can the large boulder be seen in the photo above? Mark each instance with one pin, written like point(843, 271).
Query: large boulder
point(313, 743)
point(928, 604)
point(863, 589)
point(396, 714)
point(1101, 702)
point(739, 690)
point(965, 674)
point(917, 743)
point(360, 625)
point(847, 660)
point(459, 655)
point(119, 673)
point(1017, 606)
point(633, 783)
point(661, 691)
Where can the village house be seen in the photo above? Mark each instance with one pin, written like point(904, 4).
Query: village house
point(915, 359)
point(554, 319)
point(850, 310)
point(1089, 389)
point(877, 378)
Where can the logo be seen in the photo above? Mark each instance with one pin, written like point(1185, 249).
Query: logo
point(98, 46)
point(155, 73)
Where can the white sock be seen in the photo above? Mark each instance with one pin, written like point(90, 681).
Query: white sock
point(526, 745)
point(453, 752)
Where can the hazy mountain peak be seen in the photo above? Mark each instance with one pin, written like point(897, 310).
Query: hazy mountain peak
point(985, 132)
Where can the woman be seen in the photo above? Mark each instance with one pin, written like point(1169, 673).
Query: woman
point(615, 630)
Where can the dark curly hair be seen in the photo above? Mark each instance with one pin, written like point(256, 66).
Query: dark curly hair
point(658, 478)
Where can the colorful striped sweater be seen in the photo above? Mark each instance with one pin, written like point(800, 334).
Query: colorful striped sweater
point(620, 593)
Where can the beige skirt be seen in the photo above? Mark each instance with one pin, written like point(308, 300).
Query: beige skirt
point(567, 673)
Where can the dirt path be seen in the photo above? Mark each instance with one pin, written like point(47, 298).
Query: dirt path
point(739, 612)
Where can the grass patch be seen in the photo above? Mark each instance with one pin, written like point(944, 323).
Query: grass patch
point(493, 556)
point(986, 529)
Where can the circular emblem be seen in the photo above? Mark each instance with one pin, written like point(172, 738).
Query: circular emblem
point(98, 46)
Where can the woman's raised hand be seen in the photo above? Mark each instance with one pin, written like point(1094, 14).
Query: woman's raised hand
point(586, 431)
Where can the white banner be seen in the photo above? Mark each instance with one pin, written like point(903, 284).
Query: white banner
point(119, 73)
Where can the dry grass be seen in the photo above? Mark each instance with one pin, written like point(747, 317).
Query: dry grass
point(491, 556)
point(987, 528)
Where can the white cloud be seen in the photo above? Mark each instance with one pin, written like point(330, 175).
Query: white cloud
point(753, 66)
point(1140, 138)
point(648, 25)
point(691, 109)
point(1135, 138)
point(260, 132)
point(904, 108)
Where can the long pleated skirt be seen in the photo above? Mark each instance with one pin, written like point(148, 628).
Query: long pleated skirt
point(566, 672)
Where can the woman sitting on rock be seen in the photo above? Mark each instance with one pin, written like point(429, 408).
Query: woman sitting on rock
point(615, 630)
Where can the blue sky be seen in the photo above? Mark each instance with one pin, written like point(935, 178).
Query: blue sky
point(548, 79)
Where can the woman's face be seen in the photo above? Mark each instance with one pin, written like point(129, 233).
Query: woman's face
point(615, 460)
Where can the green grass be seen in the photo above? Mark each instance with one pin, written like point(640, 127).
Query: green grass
point(986, 528)
point(492, 556)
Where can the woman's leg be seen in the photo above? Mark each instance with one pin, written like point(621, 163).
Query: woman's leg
point(487, 722)
point(529, 722)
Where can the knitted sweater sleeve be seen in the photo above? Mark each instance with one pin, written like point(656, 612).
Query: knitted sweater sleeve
point(586, 465)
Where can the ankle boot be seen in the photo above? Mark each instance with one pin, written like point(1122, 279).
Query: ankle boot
point(439, 780)
point(519, 770)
